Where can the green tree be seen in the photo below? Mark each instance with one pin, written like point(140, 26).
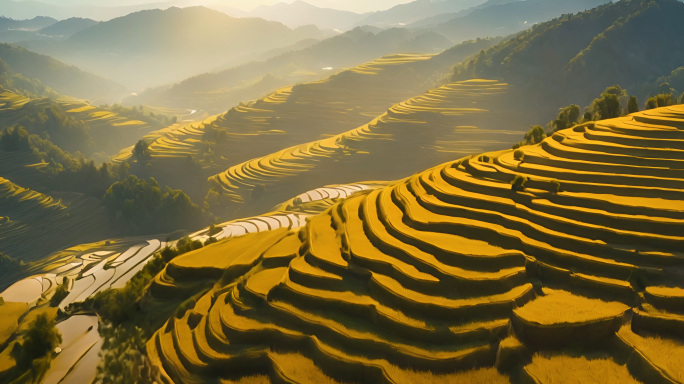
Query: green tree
point(567, 117)
point(141, 205)
point(122, 359)
point(607, 106)
point(534, 136)
point(41, 338)
point(661, 100)
point(518, 154)
point(61, 292)
point(632, 105)
point(518, 183)
point(141, 152)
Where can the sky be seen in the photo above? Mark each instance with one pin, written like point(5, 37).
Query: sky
point(350, 5)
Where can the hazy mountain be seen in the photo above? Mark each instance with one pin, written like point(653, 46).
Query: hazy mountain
point(17, 30)
point(64, 78)
point(582, 54)
point(403, 14)
point(300, 13)
point(41, 28)
point(33, 24)
point(29, 9)
point(68, 27)
point(154, 46)
point(507, 18)
point(215, 92)
point(445, 17)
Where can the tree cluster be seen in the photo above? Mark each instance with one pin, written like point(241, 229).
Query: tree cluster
point(50, 121)
point(18, 83)
point(139, 205)
point(139, 113)
point(607, 106)
point(38, 341)
point(533, 136)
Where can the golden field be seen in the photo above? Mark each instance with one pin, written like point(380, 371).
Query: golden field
point(451, 275)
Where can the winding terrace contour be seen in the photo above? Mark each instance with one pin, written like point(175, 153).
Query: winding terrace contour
point(451, 273)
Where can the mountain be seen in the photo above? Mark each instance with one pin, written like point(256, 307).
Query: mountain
point(300, 13)
point(66, 28)
point(457, 274)
point(17, 30)
point(148, 47)
point(584, 53)
point(27, 9)
point(445, 17)
point(33, 24)
point(61, 77)
point(41, 29)
point(414, 11)
point(214, 92)
point(503, 19)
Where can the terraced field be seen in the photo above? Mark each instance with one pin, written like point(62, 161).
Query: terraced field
point(341, 101)
point(11, 101)
point(87, 269)
point(286, 117)
point(28, 214)
point(442, 124)
point(457, 274)
point(108, 130)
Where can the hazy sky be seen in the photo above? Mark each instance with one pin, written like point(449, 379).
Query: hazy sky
point(351, 5)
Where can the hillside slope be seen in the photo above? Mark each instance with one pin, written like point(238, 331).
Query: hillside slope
point(290, 116)
point(502, 19)
point(59, 221)
point(582, 54)
point(66, 79)
point(574, 275)
point(217, 91)
point(75, 125)
point(447, 122)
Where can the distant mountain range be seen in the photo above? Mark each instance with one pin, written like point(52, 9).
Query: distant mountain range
point(501, 17)
point(414, 11)
point(30, 9)
point(67, 28)
point(218, 91)
point(149, 48)
point(16, 30)
point(301, 13)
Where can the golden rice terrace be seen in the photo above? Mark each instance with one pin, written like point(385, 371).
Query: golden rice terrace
point(563, 263)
